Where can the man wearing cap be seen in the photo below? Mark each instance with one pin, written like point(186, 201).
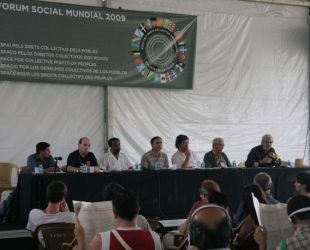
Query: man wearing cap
point(298, 210)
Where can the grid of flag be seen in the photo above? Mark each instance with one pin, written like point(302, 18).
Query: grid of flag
point(151, 74)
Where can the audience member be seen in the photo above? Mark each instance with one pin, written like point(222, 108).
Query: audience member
point(184, 157)
point(302, 183)
point(216, 157)
point(56, 210)
point(264, 181)
point(41, 157)
point(207, 188)
point(115, 159)
point(247, 227)
point(127, 234)
point(81, 156)
point(210, 228)
point(263, 155)
point(155, 155)
point(298, 211)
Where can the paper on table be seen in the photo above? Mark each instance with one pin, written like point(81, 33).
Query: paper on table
point(94, 217)
point(274, 218)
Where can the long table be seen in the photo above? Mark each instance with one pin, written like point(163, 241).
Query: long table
point(163, 194)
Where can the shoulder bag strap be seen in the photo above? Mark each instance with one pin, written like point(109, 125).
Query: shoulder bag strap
point(121, 240)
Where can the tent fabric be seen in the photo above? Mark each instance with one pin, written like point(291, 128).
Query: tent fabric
point(57, 114)
point(251, 78)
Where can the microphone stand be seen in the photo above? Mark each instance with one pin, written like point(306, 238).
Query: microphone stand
point(56, 165)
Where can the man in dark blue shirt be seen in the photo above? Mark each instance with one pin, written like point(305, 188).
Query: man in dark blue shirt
point(41, 157)
point(81, 156)
point(263, 155)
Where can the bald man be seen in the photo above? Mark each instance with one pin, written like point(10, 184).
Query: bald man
point(81, 156)
point(210, 228)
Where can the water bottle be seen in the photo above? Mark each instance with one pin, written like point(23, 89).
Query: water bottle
point(234, 164)
point(137, 167)
point(289, 164)
point(157, 165)
point(41, 169)
point(84, 168)
point(203, 165)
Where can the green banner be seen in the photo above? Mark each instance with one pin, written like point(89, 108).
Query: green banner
point(48, 42)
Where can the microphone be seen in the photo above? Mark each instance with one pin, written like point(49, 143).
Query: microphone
point(59, 158)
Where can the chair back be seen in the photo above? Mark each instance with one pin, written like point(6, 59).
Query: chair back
point(55, 234)
point(6, 171)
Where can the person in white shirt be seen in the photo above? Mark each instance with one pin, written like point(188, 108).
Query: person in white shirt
point(184, 157)
point(115, 159)
point(57, 210)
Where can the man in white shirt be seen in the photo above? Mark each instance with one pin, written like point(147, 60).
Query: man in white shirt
point(56, 211)
point(184, 157)
point(115, 159)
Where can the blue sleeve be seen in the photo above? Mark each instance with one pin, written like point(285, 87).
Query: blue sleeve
point(31, 163)
point(94, 160)
point(251, 159)
point(52, 162)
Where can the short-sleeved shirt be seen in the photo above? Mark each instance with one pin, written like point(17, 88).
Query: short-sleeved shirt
point(33, 161)
point(76, 160)
point(179, 157)
point(150, 158)
point(256, 154)
point(300, 240)
point(136, 238)
point(111, 163)
point(38, 217)
point(213, 160)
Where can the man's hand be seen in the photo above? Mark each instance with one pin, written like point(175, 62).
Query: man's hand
point(187, 153)
point(272, 155)
point(265, 160)
point(51, 169)
point(79, 235)
point(260, 236)
point(63, 206)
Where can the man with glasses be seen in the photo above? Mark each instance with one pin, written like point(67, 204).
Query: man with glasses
point(263, 155)
point(81, 156)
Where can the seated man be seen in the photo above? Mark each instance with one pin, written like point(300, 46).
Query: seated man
point(41, 157)
point(81, 156)
point(56, 211)
point(155, 156)
point(216, 157)
point(210, 228)
point(298, 210)
point(184, 157)
point(264, 181)
point(115, 159)
point(263, 155)
point(126, 235)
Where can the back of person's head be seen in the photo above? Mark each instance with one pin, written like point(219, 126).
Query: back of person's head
point(263, 180)
point(179, 139)
point(126, 204)
point(247, 200)
point(41, 146)
point(299, 208)
point(110, 190)
point(219, 199)
point(56, 191)
point(304, 179)
point(208, 186)
point(111, 140)
point(210, 228)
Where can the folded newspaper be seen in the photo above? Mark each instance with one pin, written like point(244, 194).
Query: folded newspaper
point(274, 218)
point(94, 217)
